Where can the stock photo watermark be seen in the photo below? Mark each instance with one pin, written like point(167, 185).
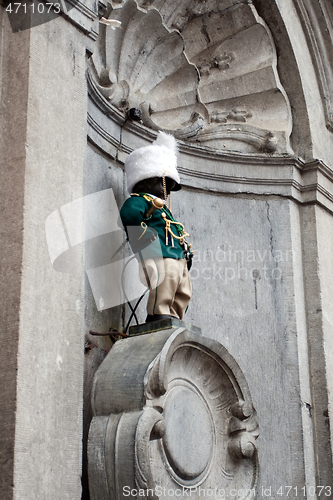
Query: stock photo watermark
point(88, 231)
point(188, 492)
point(218, 493)
point(227, 264)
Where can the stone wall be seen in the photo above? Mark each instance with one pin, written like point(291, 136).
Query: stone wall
point(44, 167)
point(257, 201)
point(14, 96)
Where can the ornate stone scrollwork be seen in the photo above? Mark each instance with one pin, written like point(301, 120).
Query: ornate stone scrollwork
point(216, 61)
point(143, 65)
point(173, 412)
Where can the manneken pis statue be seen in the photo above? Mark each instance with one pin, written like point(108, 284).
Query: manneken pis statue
point(154, 234)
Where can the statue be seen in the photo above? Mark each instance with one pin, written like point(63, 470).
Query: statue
point(154, 234)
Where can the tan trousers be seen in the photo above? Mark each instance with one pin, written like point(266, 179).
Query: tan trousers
point(170, 288)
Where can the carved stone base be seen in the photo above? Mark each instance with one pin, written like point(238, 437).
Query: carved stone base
point(173, 416)
point(163, 324)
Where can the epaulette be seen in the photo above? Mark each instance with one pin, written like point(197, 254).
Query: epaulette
point(147, 197)
point(143, 195)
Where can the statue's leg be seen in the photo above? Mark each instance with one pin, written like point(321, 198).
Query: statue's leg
point(183, 292)
point(161, 298)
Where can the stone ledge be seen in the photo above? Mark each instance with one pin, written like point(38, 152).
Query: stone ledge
point(163, 324)
point(84, 16)
point(220, 171)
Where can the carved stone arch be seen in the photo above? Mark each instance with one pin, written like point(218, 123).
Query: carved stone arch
point(288, 70)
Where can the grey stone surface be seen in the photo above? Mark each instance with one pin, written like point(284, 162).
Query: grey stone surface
point(260, 222)
point(100, 175)
point(245, 264)
point(163, 324)
point(318, 274)
point(249, 242)
point(14, 64)
point(178, 416)
point(45, 146)
point(298, 26)
point(234, 51)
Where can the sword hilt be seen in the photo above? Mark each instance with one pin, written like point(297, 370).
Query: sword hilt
point(157, 204)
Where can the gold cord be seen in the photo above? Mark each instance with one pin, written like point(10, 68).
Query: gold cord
point(144, 227)
point(167, 199)
point(169, 230)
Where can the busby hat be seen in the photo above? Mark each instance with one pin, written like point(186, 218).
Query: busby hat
point(159, 159)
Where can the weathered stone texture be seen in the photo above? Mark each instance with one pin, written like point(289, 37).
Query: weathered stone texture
point(50, 351)
point(325, 251)
point(317, 244)
point(244, 297)
point(245, 216)
point(234, 51)
point(100, 174)
point(172, 410)
point(301, 30)
point(260, 222)
point(14, 68)
point(287, 67)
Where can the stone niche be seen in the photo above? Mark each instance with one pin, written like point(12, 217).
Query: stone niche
point(173, 415)
point(204, 71)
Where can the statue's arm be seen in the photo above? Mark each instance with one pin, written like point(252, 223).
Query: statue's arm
point(132, 214)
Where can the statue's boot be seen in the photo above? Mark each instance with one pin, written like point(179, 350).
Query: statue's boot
point(158, 317)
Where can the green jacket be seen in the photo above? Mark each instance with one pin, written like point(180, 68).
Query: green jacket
point(141, 230)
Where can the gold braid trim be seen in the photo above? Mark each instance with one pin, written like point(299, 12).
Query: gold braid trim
point(166, 198)
point(169, 230)
point(147, 197)
point(144, 227)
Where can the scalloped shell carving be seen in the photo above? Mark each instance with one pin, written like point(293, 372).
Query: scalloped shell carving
point(142, 65)
point(213, 80)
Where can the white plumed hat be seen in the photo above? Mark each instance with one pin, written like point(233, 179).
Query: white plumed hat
point(155, 160)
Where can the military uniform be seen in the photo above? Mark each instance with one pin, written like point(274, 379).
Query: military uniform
point(159, 241)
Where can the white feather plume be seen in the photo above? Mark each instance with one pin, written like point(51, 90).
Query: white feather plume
point(155, 160)
point(110, 22)
point(167, 140)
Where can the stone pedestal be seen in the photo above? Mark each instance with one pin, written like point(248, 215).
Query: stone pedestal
point(173, 416)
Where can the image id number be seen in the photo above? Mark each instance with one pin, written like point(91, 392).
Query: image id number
point(40, 8)
point(320, 491)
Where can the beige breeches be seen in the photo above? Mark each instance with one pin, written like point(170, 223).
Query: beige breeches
point(170, 288)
